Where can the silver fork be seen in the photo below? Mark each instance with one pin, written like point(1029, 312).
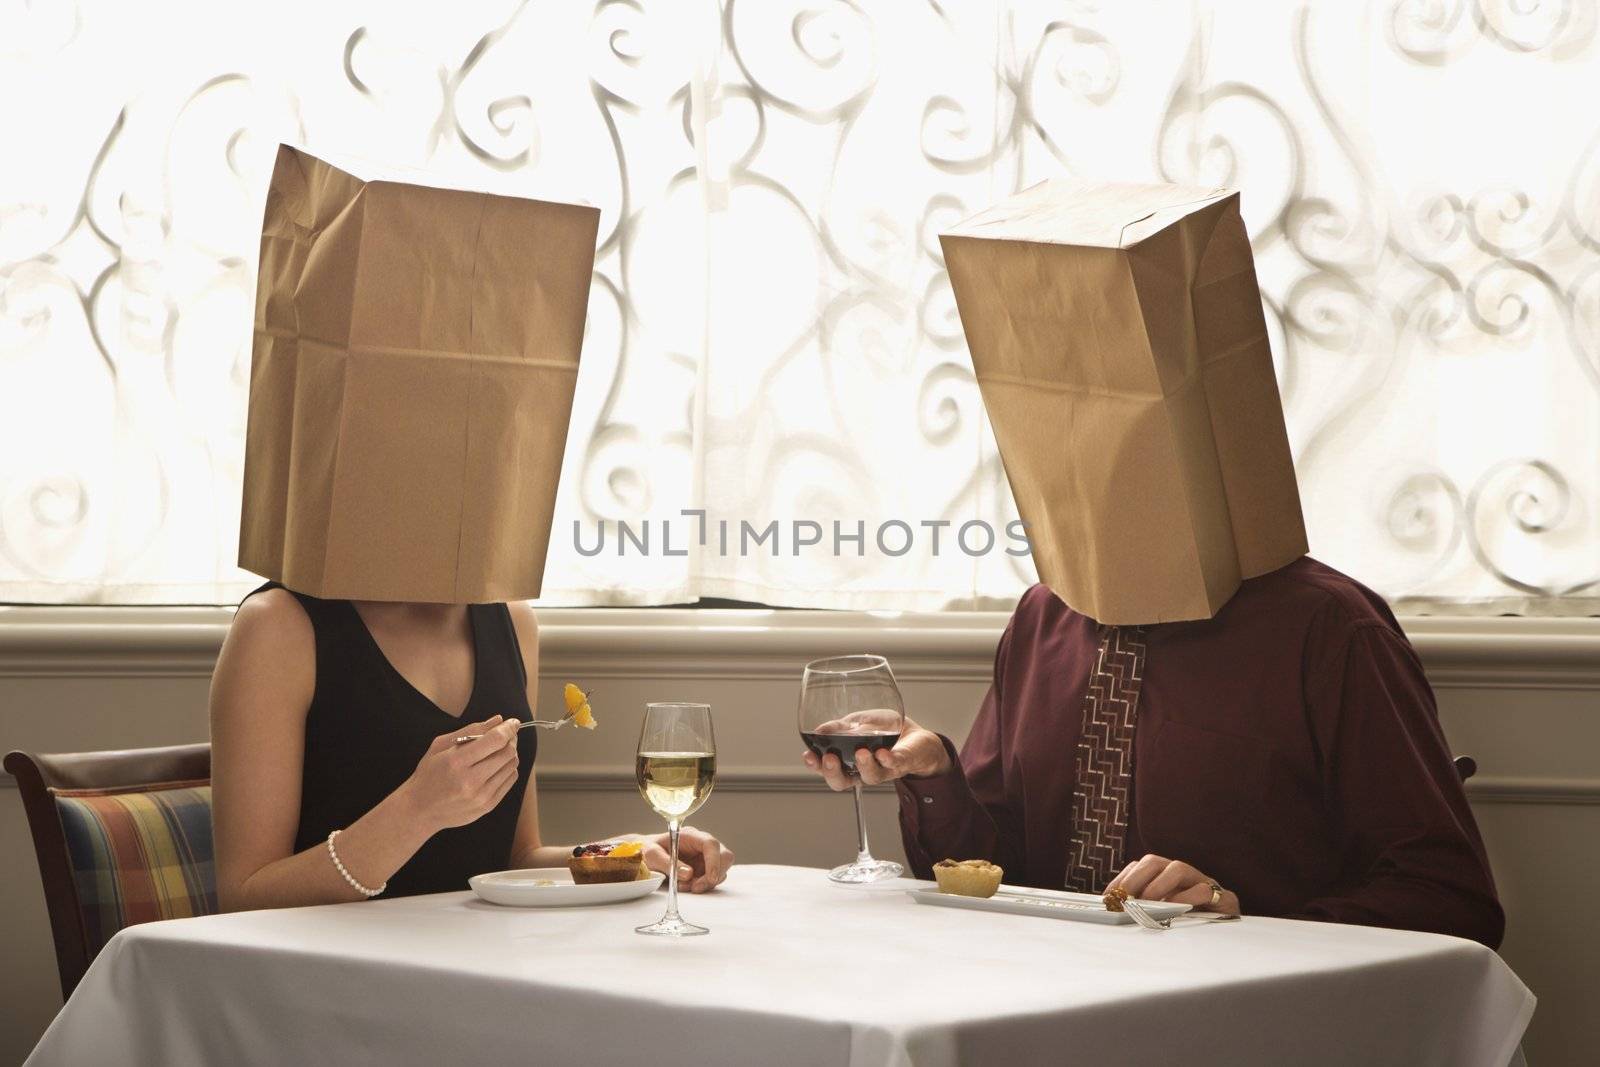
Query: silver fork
point(1144, 918)
point(547, 724)
point(1150, 922)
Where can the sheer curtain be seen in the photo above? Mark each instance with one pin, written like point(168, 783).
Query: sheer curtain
point(776, 402)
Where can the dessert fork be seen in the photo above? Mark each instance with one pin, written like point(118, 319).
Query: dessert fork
point(1144, 918)
point(548, 724)
point(1135, 908)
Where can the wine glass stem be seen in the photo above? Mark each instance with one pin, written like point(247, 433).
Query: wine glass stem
point(672, 872)
point(862, 853)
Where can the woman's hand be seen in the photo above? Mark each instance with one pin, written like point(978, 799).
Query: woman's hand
point(703, 861)
point(457, 784)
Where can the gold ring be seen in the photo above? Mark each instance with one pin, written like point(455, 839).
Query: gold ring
point(1216, 894)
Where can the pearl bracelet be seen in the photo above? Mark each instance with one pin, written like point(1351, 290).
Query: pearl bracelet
point(357, 886)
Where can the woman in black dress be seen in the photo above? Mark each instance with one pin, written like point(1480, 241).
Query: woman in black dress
point(335, 772)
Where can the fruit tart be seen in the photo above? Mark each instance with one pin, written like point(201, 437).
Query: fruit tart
point(608, 861)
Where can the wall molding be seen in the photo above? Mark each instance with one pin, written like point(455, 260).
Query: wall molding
point(1492, 789)
point(1482, 790)
point(749, 780)
point(60, 642)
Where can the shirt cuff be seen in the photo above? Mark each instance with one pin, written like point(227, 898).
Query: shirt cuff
point(939, 797)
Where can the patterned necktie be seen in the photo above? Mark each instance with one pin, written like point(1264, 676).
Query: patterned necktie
point(1103, 792)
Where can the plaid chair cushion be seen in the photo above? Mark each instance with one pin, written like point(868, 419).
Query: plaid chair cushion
point(138, 854)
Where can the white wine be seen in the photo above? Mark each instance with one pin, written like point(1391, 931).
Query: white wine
point(675, 784)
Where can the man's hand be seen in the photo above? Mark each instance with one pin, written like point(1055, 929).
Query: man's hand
point(703, 861)
point(918, 754)
point(1158, 878)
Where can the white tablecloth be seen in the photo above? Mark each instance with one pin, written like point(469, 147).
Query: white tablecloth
point(796, 971)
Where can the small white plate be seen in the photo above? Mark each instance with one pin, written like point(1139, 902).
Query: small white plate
point(552, 887)
point(1053, 904)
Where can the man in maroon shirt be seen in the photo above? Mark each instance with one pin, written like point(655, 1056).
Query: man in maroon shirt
point(1275, 751)
point(1287, 749)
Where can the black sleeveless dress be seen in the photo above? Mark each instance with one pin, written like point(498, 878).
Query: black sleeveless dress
point(367, 727)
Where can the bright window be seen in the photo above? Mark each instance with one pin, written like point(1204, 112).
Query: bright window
point(771, 333)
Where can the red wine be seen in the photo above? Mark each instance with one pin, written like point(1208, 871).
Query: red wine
point(844, 745)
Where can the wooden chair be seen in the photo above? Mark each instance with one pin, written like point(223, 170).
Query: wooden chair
point(41, 777)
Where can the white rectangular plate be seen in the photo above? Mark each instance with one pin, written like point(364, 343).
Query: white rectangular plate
point(524, 889)
point(1015, 900)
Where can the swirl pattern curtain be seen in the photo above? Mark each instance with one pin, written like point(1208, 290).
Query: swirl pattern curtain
point(771, 335)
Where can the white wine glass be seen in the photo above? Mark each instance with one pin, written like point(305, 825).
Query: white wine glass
point(676, 768)
point(848, 703)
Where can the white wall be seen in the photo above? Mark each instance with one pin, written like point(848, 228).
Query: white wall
point(1522, 696)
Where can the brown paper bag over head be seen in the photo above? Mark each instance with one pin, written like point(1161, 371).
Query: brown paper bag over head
point(1120, 348)
point(416, 351)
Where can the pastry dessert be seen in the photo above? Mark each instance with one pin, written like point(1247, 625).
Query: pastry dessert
point(578, 709)
point(967, 878)
point(1114, 898)
point(608, 861)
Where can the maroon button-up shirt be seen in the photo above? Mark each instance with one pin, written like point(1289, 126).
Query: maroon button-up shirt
point(1289, 748)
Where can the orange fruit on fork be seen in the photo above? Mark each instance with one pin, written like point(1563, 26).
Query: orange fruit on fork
point(578, 709)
